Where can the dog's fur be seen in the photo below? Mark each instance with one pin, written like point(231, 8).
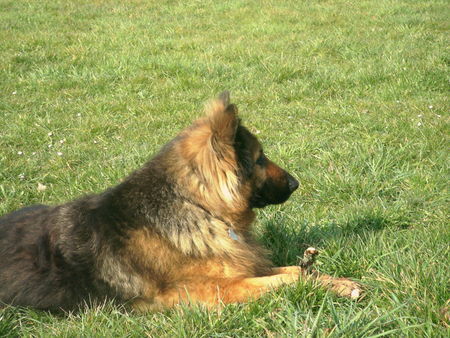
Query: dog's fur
point(176, 230)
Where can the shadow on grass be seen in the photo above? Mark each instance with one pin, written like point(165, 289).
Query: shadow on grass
point(288, 242)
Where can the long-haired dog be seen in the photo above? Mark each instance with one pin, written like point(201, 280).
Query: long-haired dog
point(176, 230)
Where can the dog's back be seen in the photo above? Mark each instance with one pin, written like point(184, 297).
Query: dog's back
point(33, 269)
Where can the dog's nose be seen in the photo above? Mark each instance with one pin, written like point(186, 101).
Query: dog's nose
point(292, 182)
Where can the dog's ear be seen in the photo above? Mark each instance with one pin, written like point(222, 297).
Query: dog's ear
point(223, 118)
point(224, 97)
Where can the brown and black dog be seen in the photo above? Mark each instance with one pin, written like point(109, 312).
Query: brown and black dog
point(176, 230)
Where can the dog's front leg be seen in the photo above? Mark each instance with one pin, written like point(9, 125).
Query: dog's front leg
point(342, 286)
point(212, 292)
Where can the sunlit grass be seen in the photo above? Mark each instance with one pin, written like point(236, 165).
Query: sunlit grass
point(350, 96)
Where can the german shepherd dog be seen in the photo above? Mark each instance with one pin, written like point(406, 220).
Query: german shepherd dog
point(175, 231)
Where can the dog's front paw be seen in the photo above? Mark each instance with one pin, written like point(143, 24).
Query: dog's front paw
point(345, 287)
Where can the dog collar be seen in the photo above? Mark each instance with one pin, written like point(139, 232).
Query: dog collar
point(233, 235)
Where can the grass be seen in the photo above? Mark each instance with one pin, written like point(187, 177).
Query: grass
point(350, 96)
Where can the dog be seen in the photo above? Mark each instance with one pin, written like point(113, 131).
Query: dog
point(178, 230)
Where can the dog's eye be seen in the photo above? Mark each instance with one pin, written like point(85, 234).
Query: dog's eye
point(261, 160)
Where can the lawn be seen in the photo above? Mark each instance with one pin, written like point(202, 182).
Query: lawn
point(350, 96)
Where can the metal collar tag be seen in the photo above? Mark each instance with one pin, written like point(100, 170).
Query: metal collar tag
point(233, 235)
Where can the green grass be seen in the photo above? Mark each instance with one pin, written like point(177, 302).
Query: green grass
point(350, 96)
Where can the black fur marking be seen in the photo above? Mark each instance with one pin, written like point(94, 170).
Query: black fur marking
point(243, 152)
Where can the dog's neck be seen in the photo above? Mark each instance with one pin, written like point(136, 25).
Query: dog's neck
point(194, 228)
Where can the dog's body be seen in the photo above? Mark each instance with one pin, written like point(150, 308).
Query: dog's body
point(176, 230)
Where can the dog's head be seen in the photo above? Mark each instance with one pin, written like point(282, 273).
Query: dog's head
point(270, 184)
point(227, 164)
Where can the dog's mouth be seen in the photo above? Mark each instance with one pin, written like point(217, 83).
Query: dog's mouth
point(260, 202)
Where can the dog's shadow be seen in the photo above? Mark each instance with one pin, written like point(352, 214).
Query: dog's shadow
point(287, 242)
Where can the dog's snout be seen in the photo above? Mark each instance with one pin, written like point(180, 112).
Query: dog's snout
point(293, 183)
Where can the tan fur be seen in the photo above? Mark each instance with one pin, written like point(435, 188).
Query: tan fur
point(212, 291)
point(208, 147)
